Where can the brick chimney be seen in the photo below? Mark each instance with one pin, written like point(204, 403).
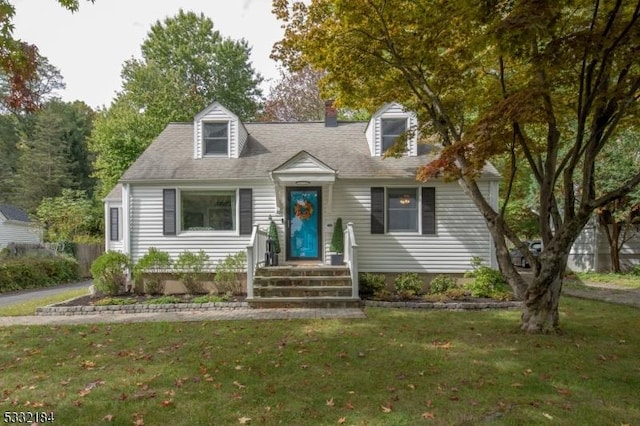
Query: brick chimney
point(330, 114)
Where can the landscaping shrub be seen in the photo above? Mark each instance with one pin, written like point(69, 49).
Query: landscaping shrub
point(110, 272)
point(487, 282)
point(115, 301)
point(147, 271)
point(371, 284)
point(227, 279)
point(210, 298)
point(635, 270)
point(164, 300)
point(408, 284)
point(18, 273)
point(189, 267)
point(441, 284)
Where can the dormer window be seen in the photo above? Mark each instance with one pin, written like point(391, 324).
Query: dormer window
point(216, 138)
point(392, 128)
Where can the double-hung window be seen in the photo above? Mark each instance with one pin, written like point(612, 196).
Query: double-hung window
point(409, 210)
point(215, 137)
point(402, 210)
point(392, 129)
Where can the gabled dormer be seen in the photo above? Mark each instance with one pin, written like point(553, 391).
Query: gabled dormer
point(387, 124)
point(218, 133)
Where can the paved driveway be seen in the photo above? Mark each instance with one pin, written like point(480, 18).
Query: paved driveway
point(26, 295)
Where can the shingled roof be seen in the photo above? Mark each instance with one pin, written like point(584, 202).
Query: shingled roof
point(343, 148)
point(14, 213)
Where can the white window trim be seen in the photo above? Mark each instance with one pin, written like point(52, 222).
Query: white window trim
point(119, 209)
point(406, 129)
point(182, 233)
point(204, 144)
point(386, 210)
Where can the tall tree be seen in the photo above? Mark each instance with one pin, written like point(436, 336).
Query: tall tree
point(42, 87)
point(19, 60)
point(54, 155)
point(295, 97)
point(550, 81)
point(620, 161)
point(8, 157)
point(185, 66)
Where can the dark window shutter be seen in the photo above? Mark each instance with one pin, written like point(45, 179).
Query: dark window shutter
point(246, 211)
point(114, 232)
point(169, 212)
point(377, 210)
point(428, 210)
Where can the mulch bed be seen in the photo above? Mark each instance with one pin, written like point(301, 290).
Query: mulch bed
point(141, 300)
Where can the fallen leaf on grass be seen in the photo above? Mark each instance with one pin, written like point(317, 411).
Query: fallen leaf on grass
point(238, 384)
point(349, 405)
point(386, 409)
point(329, 403)
point(549, 416)
point(166, 403)
point(88, 365)
point(428, 415)
point(342, 420)
point(244, 420)
point(108, 418)
point(441, 345)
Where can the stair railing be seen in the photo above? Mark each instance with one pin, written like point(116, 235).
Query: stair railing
point(351, 258)
point(257, 245)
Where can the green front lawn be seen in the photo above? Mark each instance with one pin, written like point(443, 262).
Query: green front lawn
point(397, 367)
point(29, 307)
point(619, 280)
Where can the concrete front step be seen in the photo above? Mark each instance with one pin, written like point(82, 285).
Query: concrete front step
point(304, 291)
point(303, 286)
point(283, 280)
point(303, 271)
point(304, 302)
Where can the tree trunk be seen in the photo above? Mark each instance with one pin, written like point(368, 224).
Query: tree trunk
point(614, 247)
point(540, 308)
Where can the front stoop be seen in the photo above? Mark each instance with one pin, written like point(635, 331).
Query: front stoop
point(320, 286)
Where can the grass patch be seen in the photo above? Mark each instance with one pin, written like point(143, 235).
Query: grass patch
point(397, 367)
point(29, 308)
point(621, 280)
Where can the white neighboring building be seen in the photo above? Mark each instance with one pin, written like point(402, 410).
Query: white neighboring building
point(590, 252)
point(16, 227)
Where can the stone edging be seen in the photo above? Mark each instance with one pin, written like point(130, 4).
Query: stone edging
point(52, 310)
point(451, 306)
point(57, 310)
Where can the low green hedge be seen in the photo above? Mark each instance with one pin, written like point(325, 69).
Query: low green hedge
point(33, 272)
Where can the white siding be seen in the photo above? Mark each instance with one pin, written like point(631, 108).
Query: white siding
point(146, 222)
point(582, 253)
point(237, 132)
point(18, 232)
point(629, 254)
point(374, 130)
point(242, 138)
point(461, 232)
point(591, 252)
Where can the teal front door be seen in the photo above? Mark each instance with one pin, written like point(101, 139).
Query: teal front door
point(304, 223)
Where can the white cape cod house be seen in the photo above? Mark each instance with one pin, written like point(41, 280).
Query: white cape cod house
point(214, 183)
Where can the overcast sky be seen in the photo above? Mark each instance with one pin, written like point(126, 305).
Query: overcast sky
point(90, 46)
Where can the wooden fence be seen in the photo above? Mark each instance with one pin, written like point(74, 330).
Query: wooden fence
point(85, 255)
